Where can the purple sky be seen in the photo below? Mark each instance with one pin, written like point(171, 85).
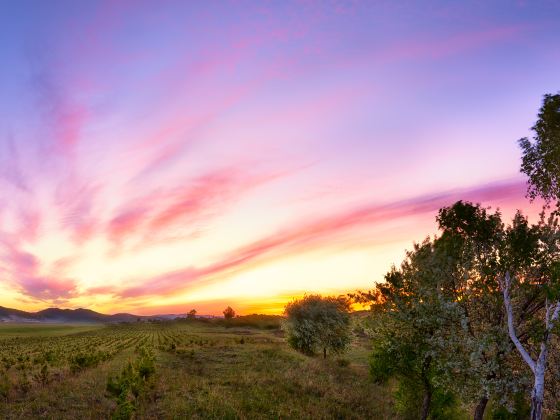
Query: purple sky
point(157, 156)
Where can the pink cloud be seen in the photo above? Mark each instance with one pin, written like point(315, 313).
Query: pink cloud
point(171, 139)
point(30, 223)
point(125, 223)
point(22, 262)
point(75, 202)
point(69, 121)
point(318, 233)
point(63, 115)
point(441, 47)
point(47, 288)
point(11, 170)
point(204, 195)
point(199, 199)
point(24, 269)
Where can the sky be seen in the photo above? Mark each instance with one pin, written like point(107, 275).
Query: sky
point(162, 156)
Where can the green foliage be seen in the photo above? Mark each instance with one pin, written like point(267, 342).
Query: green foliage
point(43, 376)
point(541, 156)
point(260, 321)
point(318, 324)
point(127, 387)
point(438, 321)
point(85, 360)
point(474, 241)
point(409, 399)
point(416, 331)
point(520, 409)
point(5, 385)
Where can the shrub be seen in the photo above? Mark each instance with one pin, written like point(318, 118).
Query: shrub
point(126, 387)
point(42, 377)
point(5, 385)
point(317, 323)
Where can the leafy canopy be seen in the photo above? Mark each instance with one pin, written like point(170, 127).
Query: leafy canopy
point(541, 157)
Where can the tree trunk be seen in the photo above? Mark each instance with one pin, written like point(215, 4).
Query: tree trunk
point(426, 403)
point(536, 408)
point(324, 353)
point(537, 396)
point(539, 366)
point(480, 408)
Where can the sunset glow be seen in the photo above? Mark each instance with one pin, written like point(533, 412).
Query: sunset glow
point(162, 156)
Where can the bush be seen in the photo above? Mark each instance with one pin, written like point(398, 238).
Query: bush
point(317, 323)
point(126, 387)
point(82, 361)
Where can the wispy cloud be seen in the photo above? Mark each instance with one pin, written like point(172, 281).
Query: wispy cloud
point(198, 199)
point(315, 234)
point(423, 47)
point(12, 171)
point(24, 269)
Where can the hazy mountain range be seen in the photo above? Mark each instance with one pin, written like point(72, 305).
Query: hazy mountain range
point(57, 315)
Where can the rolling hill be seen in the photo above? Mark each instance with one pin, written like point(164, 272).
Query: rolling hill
point(57, 315)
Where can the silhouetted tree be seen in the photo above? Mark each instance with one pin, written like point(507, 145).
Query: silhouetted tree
point(191, 314)
point(315, 323)
point(229, 313)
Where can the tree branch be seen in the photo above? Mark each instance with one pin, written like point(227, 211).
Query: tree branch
point(509, 311)
point(554, 317)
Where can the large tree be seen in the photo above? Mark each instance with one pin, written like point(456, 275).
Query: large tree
point(415, 330)
point(520, 262)
point(470, 241)
point(439, 321)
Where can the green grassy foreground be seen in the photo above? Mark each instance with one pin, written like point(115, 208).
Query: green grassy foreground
point(42, 330)
point(202, 370)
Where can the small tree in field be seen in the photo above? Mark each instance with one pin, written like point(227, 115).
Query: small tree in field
point(317, 323)
point(229, 313)
point(191, 314)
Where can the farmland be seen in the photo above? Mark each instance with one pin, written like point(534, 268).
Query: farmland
point(178, 369)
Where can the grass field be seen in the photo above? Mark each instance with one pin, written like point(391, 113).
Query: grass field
point(202, 370)
point(42, 330)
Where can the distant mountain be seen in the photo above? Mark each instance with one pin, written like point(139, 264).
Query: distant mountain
point(56, 315)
